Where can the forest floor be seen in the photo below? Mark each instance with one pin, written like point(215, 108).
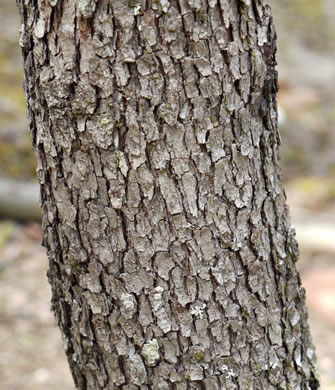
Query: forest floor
point(31, 352)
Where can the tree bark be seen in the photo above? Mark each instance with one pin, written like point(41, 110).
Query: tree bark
point(172, 259)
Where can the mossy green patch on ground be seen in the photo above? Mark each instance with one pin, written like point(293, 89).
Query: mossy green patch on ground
point(309, 9)
point(307, 19)
point(11, 89)
point(14, 95)
point(7, 229)
point(318, 191)
point(17, 161)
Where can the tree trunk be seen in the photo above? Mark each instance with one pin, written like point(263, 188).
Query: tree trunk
point(172, 259)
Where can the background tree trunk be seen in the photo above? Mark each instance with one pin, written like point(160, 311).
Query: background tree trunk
point(172, 259)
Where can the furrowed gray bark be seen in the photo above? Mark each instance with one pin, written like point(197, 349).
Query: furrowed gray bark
point(172, 259)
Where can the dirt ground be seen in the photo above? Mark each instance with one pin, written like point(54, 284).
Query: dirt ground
point(31, 356)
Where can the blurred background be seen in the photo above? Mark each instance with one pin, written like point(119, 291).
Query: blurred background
point(31, 356)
